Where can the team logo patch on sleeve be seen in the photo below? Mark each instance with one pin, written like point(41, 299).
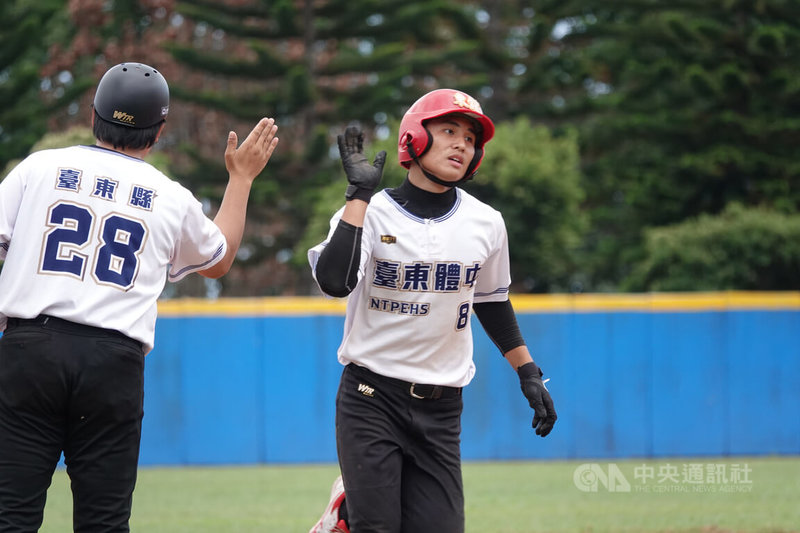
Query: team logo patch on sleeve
point(388, 239)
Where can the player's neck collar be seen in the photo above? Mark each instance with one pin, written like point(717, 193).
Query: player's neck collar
point(135, 154)
point(422, 203)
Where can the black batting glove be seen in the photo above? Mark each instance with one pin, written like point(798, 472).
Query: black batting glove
point(363, 177)
point(530, 380)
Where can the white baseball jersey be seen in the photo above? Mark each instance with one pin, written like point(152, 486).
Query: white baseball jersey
point(409, 315)
point(90, 235)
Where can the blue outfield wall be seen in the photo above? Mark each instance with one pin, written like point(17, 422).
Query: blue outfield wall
point(254, 381)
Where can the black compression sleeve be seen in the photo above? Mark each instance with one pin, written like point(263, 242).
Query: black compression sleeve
point(337, 266)
point(500, 323)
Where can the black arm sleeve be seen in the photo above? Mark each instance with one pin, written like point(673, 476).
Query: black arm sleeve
point(337, 266)
point(500, 323)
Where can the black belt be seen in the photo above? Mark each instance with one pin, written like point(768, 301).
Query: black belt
point(59, 324)
point(419, 391)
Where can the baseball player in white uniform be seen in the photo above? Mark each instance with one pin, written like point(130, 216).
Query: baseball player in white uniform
point(89, 235)
point(415, 261)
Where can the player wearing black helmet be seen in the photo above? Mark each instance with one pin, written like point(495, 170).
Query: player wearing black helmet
point(132, 94)
point(89, 235)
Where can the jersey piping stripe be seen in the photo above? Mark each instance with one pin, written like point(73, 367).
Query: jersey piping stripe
point(421, 220)
point(452, 211)
point(110, 151)
point(523, 303)
point(501, 290)
point(200, 266)
point(4, 246)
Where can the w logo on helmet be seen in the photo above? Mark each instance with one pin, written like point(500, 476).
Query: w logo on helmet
point(123, 117)
point(466, 101)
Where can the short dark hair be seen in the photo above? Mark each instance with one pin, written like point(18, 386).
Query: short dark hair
point(120, 136)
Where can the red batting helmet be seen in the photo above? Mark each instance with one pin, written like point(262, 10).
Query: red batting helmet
point(415, 140)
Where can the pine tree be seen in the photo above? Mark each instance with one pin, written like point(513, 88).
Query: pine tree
point(314, 67)
point(27, 29)
point(683, 107)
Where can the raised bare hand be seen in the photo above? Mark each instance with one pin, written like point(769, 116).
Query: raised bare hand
point(248, 160)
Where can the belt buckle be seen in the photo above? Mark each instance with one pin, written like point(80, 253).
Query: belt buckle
point(414, 394)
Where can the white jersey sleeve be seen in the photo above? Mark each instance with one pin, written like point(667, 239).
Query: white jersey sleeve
point(198, 247)
point(495, 278)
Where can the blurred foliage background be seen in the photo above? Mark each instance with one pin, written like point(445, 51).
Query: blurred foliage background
point(642, 145)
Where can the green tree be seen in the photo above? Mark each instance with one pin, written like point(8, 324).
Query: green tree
point(314, 66)
point(741, 248)
point(683, 108)
point(322, 61)
point(27, 98)
point(532, 177)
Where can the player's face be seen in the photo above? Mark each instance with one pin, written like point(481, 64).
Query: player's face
point(453, 146)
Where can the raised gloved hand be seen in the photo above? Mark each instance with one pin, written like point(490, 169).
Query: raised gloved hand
point(530, 380)
point(363, 177)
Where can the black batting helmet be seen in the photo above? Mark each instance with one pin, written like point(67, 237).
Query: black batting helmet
point(132, 94)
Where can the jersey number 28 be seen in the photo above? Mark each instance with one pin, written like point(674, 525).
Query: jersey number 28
point(116, 260)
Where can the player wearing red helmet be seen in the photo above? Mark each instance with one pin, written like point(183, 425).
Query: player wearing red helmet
point(415, 261)
point(415, 138)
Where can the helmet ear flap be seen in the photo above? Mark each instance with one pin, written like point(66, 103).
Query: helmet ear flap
point(406, 146)
point(407, 139)
point(428, 139)
point(415, 146)
point(420, 144)
point(473, 165)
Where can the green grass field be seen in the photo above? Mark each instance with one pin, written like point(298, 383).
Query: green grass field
point(501, 497)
